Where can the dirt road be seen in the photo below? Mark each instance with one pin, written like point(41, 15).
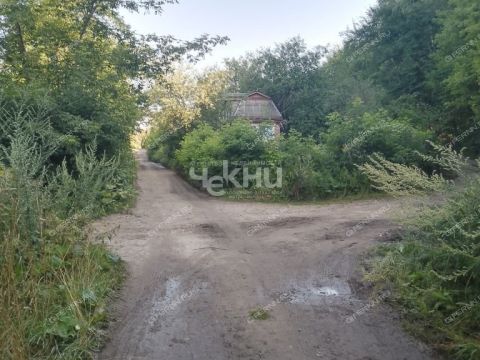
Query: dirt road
point(198, 266)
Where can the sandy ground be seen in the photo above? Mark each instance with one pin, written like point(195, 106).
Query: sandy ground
point(198, 266)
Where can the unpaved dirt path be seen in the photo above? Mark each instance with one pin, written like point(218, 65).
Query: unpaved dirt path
point(198, 265)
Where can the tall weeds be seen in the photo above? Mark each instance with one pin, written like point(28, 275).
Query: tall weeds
point(53, 283)
point(436, 267)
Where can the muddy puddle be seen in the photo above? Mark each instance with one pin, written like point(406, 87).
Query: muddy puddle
point(316, 292)
point(165, 302)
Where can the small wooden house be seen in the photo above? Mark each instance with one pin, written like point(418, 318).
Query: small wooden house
point(257, 108)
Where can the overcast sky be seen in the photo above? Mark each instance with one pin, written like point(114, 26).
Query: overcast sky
point(252, 24)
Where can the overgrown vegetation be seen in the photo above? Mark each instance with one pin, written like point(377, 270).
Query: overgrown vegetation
point(397, 107)
point(310, 170)
point(71, 95)
point(435, 266)
point(55, 282)
point(395, 84)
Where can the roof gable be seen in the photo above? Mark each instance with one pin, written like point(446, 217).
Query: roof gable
point(257, 107)
point(258, 95)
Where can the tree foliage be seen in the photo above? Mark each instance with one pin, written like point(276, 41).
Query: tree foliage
point(72, 78)
point(88, 63)
point(288, 74)
point(456, 77)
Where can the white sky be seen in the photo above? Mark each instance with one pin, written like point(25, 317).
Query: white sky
point(252, 24)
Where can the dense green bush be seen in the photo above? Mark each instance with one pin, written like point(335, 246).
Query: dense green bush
point(242, 142)
point(99, 185)
point(54, 281)
point(161, 143)
point(353, 138)
point(299, 158)
point(435, 268)
point(310, 170)
point(201, 148)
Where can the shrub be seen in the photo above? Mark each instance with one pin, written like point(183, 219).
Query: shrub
point(435, 269)
point(201, 148)
point(298, 157)
point(207, 148)
point(351, 139)
point(54, 282)
point(242, 142)
point(162, 143)
point(309, 170)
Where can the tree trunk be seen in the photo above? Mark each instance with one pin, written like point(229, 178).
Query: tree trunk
point(23, 51)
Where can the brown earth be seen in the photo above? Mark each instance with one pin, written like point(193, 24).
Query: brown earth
point(198, 266)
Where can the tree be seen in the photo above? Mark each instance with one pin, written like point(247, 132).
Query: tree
point(457, 75)
point(393, 45)
point(91, 67)
point(288, 74)
point(183, 97)
point(181, 101)
point(342, 86)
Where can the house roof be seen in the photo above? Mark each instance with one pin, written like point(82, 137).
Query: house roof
point(257, 107)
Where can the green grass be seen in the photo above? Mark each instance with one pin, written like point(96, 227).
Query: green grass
point(55, 304)
point(259, 314)
point(245, 195)
point(435, 271)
